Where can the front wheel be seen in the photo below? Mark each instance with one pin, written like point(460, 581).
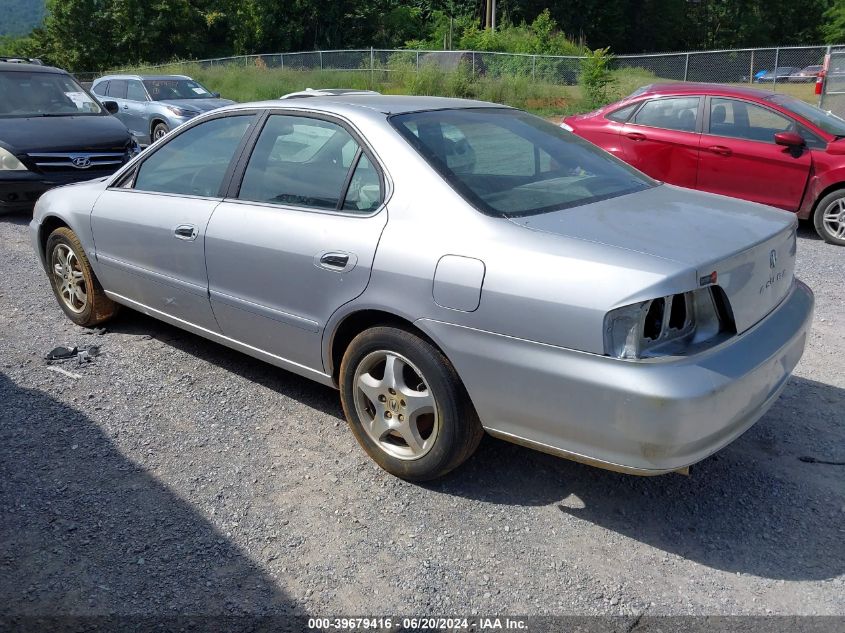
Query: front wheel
point(160, 130)
point(829, 218)
point(406, 405)
point(79, 293)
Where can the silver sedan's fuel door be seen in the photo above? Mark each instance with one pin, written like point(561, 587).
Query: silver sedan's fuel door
point(298, 239)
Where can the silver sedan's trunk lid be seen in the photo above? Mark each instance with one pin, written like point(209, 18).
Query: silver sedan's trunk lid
point(749, 247)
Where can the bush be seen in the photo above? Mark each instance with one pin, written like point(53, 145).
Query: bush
point(596, 80)
point(541, 37)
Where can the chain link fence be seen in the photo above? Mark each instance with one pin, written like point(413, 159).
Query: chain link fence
point(789, 69)
point(833, 97)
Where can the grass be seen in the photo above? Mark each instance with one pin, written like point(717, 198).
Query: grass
point(256, 82)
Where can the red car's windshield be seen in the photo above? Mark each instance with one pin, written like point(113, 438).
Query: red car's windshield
point(825, 121)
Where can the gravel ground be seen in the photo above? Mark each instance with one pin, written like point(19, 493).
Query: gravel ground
point(176, 476)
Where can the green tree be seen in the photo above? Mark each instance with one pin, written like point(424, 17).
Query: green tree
point(97, 34)
point(833, 29)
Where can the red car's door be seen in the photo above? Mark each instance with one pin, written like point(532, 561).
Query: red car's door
point(662, 139)
point(739, 156)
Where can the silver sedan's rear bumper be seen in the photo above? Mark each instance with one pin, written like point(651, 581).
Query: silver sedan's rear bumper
point(642, 417)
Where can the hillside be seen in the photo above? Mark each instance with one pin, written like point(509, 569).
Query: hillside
point(20, 16)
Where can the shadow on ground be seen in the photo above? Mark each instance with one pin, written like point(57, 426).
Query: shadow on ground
point(749, 509)
point(308, 392)
point(19, 218)
point(86, 531)
point(807, 231)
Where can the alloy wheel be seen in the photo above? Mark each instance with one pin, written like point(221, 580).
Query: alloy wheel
point(69, 279)
point(395, 405)
point(833, 219)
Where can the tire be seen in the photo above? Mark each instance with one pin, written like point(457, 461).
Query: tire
point(72, 279)
point(829, 218)
point(159, 130)
point(416, 431)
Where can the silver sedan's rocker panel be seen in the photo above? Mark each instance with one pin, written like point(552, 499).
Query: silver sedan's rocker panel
point(584, 309)
point(260, 354)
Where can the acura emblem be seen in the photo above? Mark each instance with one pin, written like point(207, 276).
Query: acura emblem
point(773, 258)
point(81, 162)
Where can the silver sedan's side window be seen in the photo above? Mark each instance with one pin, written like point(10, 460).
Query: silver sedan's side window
point(302, 162)
point(364, 193)
point(195, 162)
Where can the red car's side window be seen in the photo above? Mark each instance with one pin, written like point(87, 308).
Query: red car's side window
point(673, 113)
point(622, 114)
point(740, 119)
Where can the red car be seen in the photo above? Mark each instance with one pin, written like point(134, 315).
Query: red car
point(753, 144)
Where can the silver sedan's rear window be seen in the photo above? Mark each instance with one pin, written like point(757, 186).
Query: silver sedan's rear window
point(507, 162)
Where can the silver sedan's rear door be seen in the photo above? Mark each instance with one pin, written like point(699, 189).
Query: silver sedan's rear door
point(297, 238)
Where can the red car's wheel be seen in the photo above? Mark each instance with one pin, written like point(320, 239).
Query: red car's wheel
point(829, 218)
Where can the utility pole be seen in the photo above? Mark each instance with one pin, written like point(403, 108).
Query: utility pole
point(493, 12)
point(488, 15)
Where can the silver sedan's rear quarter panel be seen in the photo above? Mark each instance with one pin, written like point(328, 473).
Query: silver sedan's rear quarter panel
point(639, 417)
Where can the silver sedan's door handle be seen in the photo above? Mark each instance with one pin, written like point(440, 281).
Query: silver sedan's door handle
point(336, 261)
point(187, 232)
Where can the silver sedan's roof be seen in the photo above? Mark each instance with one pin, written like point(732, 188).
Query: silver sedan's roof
point(386, 104)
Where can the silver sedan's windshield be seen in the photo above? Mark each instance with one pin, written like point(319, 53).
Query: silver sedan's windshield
point(507, 162)
point(172, 89)
point(24, 94)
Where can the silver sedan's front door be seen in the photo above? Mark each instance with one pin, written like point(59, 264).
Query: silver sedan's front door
point(149, 233)
point(158, 262)
point(298, 241)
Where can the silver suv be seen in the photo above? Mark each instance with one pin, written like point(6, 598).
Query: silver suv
point(152, 105)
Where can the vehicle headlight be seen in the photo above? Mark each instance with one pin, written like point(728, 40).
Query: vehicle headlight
point(182, 112)
point(8, 161)
point(566, 126)
point(674, 325)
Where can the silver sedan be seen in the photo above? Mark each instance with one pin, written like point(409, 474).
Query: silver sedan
point(452, 267)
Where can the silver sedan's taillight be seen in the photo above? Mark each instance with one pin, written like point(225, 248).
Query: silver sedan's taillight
point(673, 325)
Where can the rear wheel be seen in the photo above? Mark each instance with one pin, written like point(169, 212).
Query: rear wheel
point(159, 131)
point(829, 218)
point(79, 293)
point(406, 405)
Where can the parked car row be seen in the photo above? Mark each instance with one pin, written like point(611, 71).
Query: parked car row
point(196, 229)
point(524, 283)
point(792, 74)
point(741, 142)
